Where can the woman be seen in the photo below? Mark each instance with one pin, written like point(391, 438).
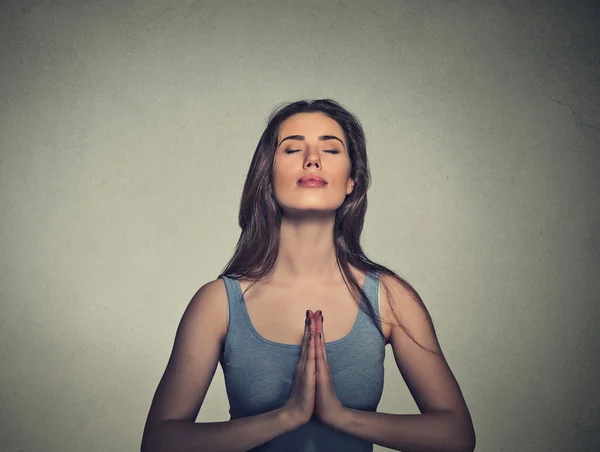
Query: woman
point(296, 386)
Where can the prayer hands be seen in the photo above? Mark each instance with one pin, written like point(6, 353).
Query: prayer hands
point(312, 386)
point(327, 405)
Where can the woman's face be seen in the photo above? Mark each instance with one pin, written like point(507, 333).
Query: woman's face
point(311, 143)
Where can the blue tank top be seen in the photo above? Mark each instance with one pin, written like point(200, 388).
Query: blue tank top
point(258, 373)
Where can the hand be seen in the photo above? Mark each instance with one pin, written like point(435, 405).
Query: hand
point(328, 407)
point(300, 406)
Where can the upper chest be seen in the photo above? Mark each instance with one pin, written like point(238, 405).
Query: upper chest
point(278, 312)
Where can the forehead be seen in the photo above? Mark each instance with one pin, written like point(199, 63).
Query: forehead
point(310, 124)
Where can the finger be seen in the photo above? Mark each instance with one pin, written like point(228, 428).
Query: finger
point(305, 341)
point(318, 353)
point(311, 348)
point(323, 344)
point(322, 364)
point(319, 328)
point(312, 325)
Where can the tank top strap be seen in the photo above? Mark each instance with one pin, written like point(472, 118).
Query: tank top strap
point(234, 300)
point(371, 289)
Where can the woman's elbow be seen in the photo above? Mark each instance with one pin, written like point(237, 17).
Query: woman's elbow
point(467, 442)
point(149, 440)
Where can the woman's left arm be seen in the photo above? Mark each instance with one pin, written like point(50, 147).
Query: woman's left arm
point(444, 423)
point(432, 431)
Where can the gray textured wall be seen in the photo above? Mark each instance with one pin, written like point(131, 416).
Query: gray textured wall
point(126, 131)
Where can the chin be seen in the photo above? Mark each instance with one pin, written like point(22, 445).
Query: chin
point(310, 208)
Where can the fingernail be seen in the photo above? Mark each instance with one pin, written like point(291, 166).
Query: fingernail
point(307, 313)
point(310, 336)
point(322, 318)
point(308, 320)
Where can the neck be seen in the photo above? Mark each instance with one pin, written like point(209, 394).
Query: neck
point(306, 251)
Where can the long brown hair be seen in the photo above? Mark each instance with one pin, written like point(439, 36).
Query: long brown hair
point(260, 215)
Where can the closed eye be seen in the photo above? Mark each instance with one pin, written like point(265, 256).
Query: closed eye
point(291, 151)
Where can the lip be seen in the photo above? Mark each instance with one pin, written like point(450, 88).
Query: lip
point(312, 183)
point(312, 179)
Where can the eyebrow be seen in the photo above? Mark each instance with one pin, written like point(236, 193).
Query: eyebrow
point(302, 138)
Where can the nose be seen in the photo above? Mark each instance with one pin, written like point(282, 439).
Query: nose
point(312, 160)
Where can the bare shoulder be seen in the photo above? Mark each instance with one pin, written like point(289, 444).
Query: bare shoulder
point(210, 301)
point(194, 358)
point(400, 302)
point(212, 290)
point(399, 290)
point(421, 362)
point(391, 294)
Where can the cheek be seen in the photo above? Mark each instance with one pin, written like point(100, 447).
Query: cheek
point(281, 174)
point(277, 178)
point(280, 182)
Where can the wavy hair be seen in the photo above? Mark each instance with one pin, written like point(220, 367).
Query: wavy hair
point(260, 215)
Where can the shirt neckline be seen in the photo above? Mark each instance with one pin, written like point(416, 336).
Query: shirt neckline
point(297, 346)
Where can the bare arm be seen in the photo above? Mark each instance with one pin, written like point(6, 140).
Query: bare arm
point(445, 422)
point(170, 424)
point(442, 431)
point(236, 435)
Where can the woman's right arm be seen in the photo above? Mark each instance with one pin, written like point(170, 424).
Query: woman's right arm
point(171, 425)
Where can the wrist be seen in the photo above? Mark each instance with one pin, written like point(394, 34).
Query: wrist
point(288, 421)
point(338, 419)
